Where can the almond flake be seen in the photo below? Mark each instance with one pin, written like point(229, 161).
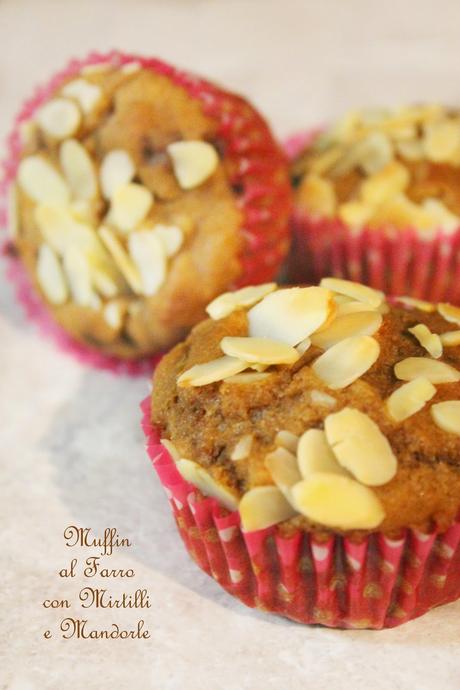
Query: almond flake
point(130, 67)
point(113, 314)
point(225, 304)
point(447, 416)
point(41, 181)
point(357, 291)
point(195, 474)
point(318, 195)
point(50, 276)
point(442, 141)
point(450, 339)
point(346, 361)
point(355, 214)
point(322, 399)
point(193, 162)
point(286, 439)
point(121, 259)
point(60, 229)
point(247, 378)
point(410, 150)
point(78, 169)
point(360, 447)
point(78, 273)
point(340, 502)
point(303, 346)
point(353, 307)
point(243, 448)
point(210, 372)
point(59, 118)
point(314, 454)
point(259, 350)
point(96, 68)
point(171, 448)
point(171, 237)
point(130, 205)
point(421, 304)
point(86, 94)
point(430, 341)
point(410, 398)
point(117, 170)
point(12, 212)
point(291, 315)
point(424, 367)
point(393, 179)
point(149, 256)
point(353, 324)
point(106, 278)
point(283, 469)
point(264, 506)
point(441, 216)
point(374, 152)
point(449, 312)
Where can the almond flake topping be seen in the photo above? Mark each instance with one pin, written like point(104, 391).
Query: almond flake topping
point(86, 94)
point(291, 315)
point(346, 361)
point(130, 205)
point(259, 350)
point(283, 469)
point(50, 276)
point(424, 367)
point(195, 474)
point(353, 324)
point(421, 304)
point(247, 378)
point(449, 312)
point(210, 372)
point(148, 254)
point(357, 291)
point(243, 448)
point(410, 398)
point(447, 416)
point(286, 439)
point(450, 339)
point(193, 162)
point(42, 182)
point(336, 501)
point(117, 170)
point(360, 447)
point(225, 304)
point(78, 169)
point(59, 118)
point(430, 341)
point(314, 454)
point(121, 259)
point(264, 506)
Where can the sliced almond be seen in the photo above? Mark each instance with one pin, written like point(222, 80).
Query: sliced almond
point(50, 276)
point(247, 378)
point(225, 304)
point(121, 259)
point(130, 205)
point(171, 237)
point(171, 448)
point(96, 68)
point(322, 399)
point(358, 323)
point(303, 346)
point(441, 141)
point(42, 182)
point(430, 341)
point(290, 315)
point(410, 150)
point(106, 279)
point(113, 313)
point(318, 195)
point(357, 291)
point(355, 214)
point(242, 448)
point(264, 506)
point(375, 152)
point(346, 361)
point(421, 304)
point(117, 170)
point(259, 350)
point(131, 67)
point(450, 339)
point(149, 256)
point(410, 398)
point(61, 230)
point(195, 474)
point(340, 502)
point(447, 416)
point(360, 446)
point(78, 273)
point(353, 307)
point(193, 162)
point(59, 118)
point(86, 94)
point(283, 469)
point(314, 454)
point(12, 212)
point(78, 169)
point(424, 367)
point(286, 439)
point(394, 178)
point(442, 217)
point(210, 372)
point(449, 312)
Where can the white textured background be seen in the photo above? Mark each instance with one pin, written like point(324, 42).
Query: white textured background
point(70, 445)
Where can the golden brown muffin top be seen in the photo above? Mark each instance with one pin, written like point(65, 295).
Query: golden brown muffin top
point(359, 429)
point(125, 209)
point(379, 168)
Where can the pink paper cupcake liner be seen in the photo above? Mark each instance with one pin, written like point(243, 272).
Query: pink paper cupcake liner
point(257, 165)
point(399, 262)
point(376, 583)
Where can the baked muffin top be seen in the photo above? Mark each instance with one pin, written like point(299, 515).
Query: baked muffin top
point(321, 407)
point(379, 168)
point(125, 210)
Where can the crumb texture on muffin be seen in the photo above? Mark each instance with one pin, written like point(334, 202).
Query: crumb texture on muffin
point(324, 407)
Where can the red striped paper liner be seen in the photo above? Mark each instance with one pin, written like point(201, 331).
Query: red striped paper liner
point(259, 173)
point(399, 262)
point(340, 583)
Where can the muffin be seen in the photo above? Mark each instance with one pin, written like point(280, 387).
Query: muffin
point(309, 442)
point(377, 200)
point(139, 193)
